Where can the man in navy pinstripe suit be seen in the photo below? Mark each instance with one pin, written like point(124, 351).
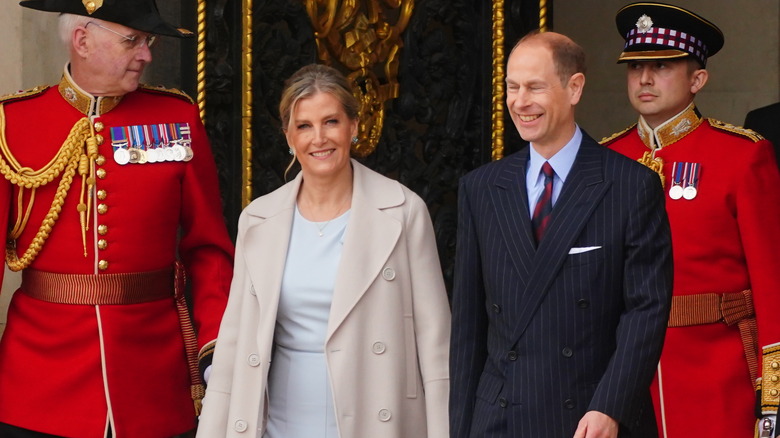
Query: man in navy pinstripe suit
point(558, 338)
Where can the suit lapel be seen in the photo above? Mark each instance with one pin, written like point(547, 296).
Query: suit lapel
point(581, 195)
point(510, 200)
point(369, 240)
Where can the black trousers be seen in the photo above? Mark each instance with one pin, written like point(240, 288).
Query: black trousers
point(8, 431)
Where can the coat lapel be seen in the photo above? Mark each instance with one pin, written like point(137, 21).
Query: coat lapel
point(581, 195)
point(510, 199)
point(370, 238)
point(266, 240)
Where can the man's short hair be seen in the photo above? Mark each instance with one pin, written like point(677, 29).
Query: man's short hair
point(68, 23)
point(568, 56)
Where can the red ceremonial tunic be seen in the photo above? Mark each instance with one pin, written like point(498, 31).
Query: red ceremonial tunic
point(726, 239)
point(75, 370)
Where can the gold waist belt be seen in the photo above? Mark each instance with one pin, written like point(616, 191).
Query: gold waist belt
point(732, 308)
point(103, 289)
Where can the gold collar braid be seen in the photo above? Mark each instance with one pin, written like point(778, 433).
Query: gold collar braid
point(78, 151)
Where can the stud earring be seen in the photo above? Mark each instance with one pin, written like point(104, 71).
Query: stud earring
point(291, 151)
point(355, 140)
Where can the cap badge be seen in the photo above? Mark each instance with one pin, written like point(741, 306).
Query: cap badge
point(644, 24)
point(92, 5)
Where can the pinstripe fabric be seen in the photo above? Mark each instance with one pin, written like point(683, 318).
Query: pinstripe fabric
point(541, 336)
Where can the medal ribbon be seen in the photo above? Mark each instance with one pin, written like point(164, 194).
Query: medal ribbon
point(118, 137)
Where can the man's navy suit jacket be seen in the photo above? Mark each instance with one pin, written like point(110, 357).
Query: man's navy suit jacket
point(542, 335)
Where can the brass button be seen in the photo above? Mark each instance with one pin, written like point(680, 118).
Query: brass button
point(101, 194)
point(100, 160)
point(774, 393)
point(102, 230)
point(98, 139)
point(775, 365)
point(103, 265)
point(102, 244)
point(101, 173)
point(98, 126)
point(102, 208)
point(774, 378)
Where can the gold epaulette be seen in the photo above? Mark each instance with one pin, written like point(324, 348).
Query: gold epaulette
point(21, 95)
point(743, 132)
point(770, 379)
point(168, 91)
point(606, 140)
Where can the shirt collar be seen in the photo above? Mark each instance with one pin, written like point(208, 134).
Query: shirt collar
point(86, 103)
point(670, 131)
point(561, 162)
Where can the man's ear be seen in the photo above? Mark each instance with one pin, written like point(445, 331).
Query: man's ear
point(698, 79)
point(576, 85)
point(79, 43)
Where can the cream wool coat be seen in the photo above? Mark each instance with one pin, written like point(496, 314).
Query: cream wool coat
point(388, 330)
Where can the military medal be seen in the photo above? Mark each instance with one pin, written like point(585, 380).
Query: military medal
point(119, 144)
point(184, 133)
point(676, 191)
point(690, 191)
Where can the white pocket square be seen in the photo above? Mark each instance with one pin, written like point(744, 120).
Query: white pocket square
point(582, 249)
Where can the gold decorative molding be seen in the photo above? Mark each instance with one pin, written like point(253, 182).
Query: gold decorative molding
point(200, 60)
point(543, 16)
point(498, 81)
point(246, 103)
point(357, 34)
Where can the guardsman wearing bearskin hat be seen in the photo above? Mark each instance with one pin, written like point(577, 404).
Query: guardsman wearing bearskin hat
point(720, 367)
point(112, 201)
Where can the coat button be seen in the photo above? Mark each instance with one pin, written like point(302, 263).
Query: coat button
point(98, 126)
point(99, 139)
point(567, 352)
point(253, 360)
point(101, 173)
point(102, 194)
point(583, 303)
point(502, 402)
point(240, 426)
point(102, 208)
point(102, 244)
point(569, 404)
point(512, 355)
point(100, 160)
point(378, 347)
point(385, 414)
point(103, 265)
point(388, 274)
point(496, 308)
point(102, 230)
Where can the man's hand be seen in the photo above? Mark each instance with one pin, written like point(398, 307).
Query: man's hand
point(594, 424)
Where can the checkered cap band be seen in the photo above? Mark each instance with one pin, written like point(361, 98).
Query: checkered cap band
point(670, 38)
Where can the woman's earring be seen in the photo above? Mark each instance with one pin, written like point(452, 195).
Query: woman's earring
point(355, 140)
point(291, 151)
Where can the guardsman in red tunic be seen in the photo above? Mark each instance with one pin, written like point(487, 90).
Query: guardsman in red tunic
point(720, 367)
point(111, 200)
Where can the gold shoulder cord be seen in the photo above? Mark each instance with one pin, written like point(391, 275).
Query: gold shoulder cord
point(68, 159)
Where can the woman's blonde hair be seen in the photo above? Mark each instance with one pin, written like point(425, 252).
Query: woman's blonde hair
point(308, 81)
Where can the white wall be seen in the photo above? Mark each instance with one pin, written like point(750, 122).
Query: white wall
point(743, 75)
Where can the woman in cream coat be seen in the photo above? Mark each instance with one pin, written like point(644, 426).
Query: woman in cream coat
point(387, 332)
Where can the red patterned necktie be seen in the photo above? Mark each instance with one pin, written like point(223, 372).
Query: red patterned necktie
point(544, 205)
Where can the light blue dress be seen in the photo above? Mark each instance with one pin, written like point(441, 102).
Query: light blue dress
point(299, 393)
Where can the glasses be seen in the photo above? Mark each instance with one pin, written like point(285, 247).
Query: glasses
point(135, 41)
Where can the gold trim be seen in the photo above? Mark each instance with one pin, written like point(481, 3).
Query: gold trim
point(498, 80)
point(543, 16)
point(200, 60)
point(246, 104)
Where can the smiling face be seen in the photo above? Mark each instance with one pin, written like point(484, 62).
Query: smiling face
point(541, 107)
point(106, 64)
point(320, 133)
point(661, 89)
